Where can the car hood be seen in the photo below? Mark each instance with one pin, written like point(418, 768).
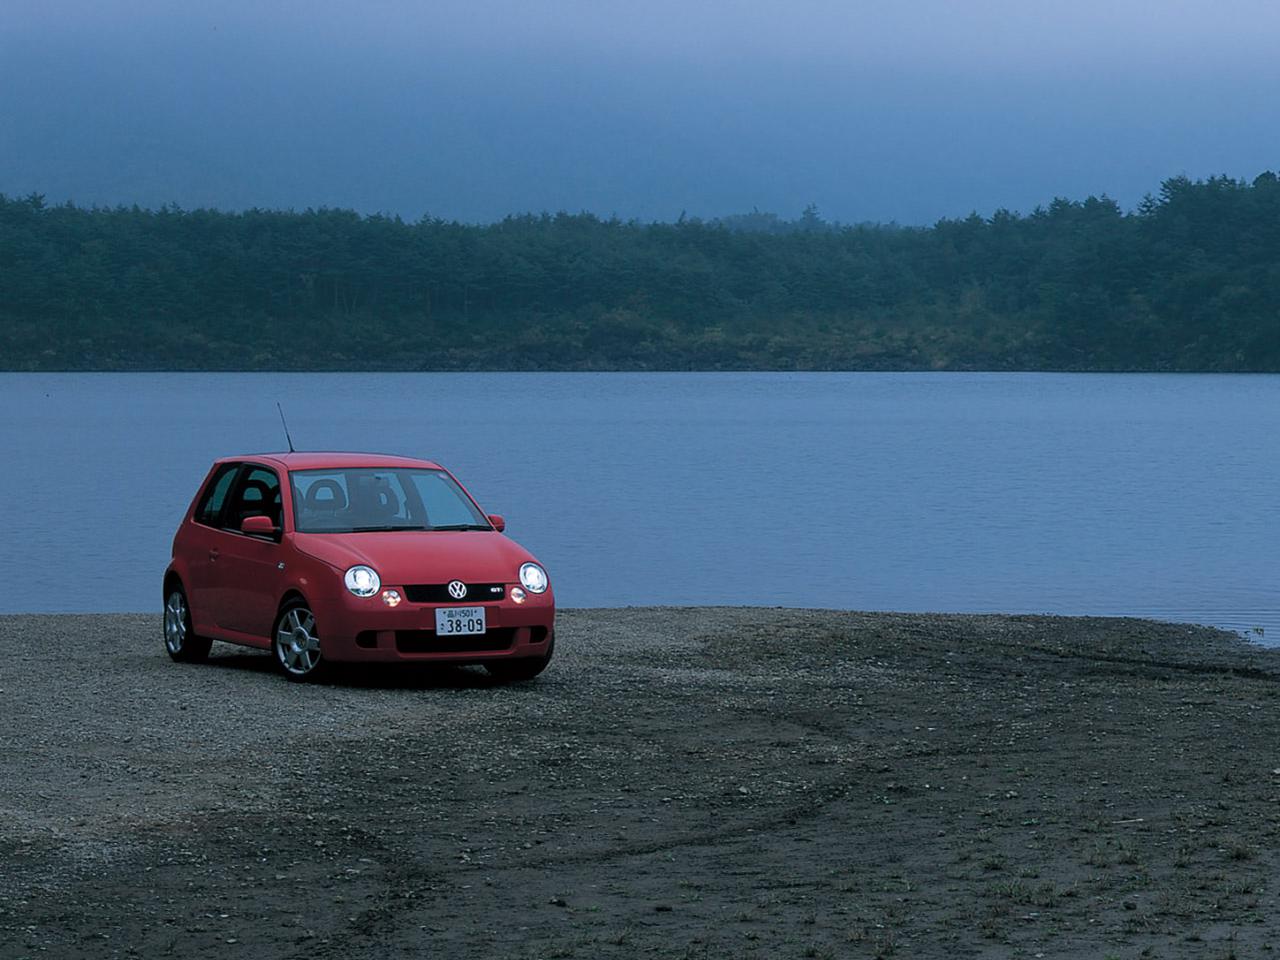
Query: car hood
point(421, 556)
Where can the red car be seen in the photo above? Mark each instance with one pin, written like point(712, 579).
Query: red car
point(340, 557)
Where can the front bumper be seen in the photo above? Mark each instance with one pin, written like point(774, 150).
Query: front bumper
point(355, 629)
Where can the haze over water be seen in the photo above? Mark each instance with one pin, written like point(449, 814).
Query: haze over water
point(1147, 495)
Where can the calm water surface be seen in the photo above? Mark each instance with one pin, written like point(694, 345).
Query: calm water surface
point(1101, 494)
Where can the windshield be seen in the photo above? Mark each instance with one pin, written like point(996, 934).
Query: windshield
point(368, 499)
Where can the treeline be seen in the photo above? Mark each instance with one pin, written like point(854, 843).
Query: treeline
point(1190, 280)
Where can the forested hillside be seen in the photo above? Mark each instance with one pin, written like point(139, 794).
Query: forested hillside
point(1190, 280)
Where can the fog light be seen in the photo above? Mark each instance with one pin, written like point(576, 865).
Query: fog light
point(391, 598)
point(517, 595)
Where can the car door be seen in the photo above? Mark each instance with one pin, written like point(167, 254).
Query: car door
point(249, 567)
point(201, 545)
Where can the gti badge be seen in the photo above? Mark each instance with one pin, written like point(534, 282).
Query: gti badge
point(457, 589)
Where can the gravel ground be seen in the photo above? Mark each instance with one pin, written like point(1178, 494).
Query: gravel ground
point(680, 783)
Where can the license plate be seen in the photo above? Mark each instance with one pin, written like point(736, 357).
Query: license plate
point(454, 621)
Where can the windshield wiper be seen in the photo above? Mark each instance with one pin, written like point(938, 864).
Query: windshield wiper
point(385, 527)
point(462, 526)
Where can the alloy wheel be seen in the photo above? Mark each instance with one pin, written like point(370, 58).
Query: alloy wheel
point(175, 622)
point(297, 646)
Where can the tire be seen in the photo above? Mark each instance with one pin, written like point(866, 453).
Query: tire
point(180, 641)
point(295, 643)
point(518, 671)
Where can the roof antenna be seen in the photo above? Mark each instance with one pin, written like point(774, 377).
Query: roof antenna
point(285, 425)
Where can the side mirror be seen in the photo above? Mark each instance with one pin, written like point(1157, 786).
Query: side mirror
point(497, 521)
point(258, 527)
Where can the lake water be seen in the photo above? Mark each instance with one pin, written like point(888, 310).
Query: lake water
point(1099, 494)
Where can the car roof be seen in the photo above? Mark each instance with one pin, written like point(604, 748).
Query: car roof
point(332, 461)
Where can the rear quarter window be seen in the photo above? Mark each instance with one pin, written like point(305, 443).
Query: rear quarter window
point(215, 495)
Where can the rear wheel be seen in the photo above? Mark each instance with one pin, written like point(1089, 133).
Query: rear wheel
point(526, 668)
point(180, 642)
point(296, 644)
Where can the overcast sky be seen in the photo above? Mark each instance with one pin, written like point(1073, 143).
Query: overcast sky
point(905, 110)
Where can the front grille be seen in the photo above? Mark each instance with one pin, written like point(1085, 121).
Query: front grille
point(439, 593)
point(426, 641)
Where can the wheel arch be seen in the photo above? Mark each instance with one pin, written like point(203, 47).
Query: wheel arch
point(292, 595)
point(172, 579)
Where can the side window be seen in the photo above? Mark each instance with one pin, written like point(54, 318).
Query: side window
point(256, 495)
point(215, 495)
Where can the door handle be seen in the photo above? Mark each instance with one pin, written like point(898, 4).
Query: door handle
point(213, 555)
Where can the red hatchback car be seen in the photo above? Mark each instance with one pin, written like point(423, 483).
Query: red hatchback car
point(336, 557)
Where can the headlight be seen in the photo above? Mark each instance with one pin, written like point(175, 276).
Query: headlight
point(533, 578)
point(362, 581)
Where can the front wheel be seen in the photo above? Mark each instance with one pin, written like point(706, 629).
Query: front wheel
point(179, 641)
point(296, 644)
point(526, 668)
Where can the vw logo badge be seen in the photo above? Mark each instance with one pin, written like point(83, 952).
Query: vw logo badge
point(457, 589)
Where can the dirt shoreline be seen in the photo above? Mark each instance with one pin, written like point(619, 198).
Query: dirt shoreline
point(700, 782)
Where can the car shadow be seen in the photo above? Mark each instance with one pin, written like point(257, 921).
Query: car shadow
point(380, 676)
